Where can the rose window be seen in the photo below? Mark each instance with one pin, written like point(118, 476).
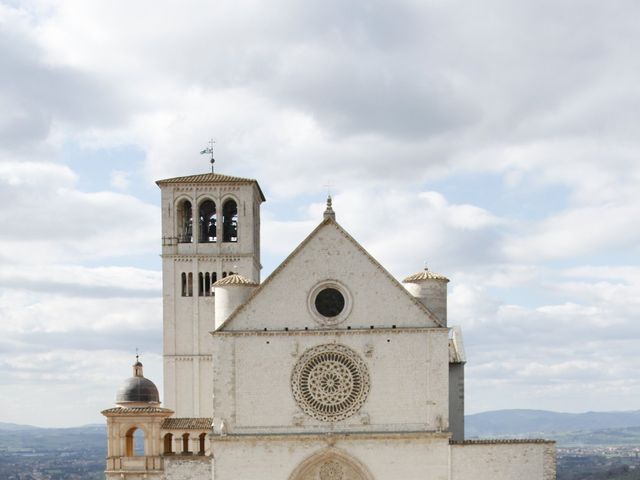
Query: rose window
point(330, 382)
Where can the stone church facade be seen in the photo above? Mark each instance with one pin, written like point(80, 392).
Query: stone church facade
point(330, 369)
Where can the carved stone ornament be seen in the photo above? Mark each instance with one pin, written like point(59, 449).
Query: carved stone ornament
point(330, 467)
point(330, 382)
point(331, 471)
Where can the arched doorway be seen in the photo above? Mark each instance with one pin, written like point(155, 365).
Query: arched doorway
point(331, 464)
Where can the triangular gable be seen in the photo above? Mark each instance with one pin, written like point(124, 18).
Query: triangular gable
point(330, 253)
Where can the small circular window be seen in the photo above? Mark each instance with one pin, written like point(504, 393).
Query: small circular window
point(329, 302)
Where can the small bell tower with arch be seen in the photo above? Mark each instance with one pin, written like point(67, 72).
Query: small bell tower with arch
point(134, 426)
point(210, 229)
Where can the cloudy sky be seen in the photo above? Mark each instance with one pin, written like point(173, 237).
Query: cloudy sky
point(499, 141)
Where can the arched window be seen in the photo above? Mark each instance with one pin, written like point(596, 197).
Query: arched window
point(214, 279)
point(207, 284)
point(184, 222)
point(202, 437)
point(190, 285)
point(184, 284)
point(185, 444)
point(230, 221)
point(135, 442)
point(208, 220)
point(330, 464)
point(168, 444)
point(200, 285)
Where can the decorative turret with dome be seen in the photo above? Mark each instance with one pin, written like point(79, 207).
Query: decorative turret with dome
point(431, 289)
point(231, 292)
point(137, 391)
point(137, 411)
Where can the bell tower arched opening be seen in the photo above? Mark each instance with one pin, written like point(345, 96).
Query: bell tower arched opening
point(208, 222)
point(184, 221)
point(230, 221)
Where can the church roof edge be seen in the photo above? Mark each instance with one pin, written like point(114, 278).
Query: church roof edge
point(326, 221)
point(187, 423)
point(211, 178)
point(126, 411)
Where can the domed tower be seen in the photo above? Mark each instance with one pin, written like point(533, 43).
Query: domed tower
point(134, 447)
point(430, 289)
point(137, 391)
point(210, 230)
point(231, 292)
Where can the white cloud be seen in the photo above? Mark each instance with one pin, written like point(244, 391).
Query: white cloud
point(120, 180)
point(82, 281)
point(48, 219)
point(62, 377)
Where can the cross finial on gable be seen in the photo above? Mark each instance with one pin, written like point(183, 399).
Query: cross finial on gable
point(329, 213)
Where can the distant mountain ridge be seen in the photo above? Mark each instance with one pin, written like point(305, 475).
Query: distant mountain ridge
point(497, 423)
point(541, 422)
point(14, 427)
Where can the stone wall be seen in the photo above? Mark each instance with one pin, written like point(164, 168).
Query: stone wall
point(364, 457)
point(503, 460)
point(456, 400)
point(408, 372)
point(195, 468)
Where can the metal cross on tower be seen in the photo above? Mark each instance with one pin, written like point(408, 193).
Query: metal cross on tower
point(328, 186)
point(209, 150)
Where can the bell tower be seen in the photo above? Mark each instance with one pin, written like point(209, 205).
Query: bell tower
point(210, 229)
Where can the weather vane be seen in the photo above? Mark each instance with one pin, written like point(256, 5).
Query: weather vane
point(209, 150)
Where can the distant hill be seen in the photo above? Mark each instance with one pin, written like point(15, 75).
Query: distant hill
point(606, 437)
point(541, 422)
point(13, 427)
point(16, 427)
point(589, 427)
point(52, 453)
